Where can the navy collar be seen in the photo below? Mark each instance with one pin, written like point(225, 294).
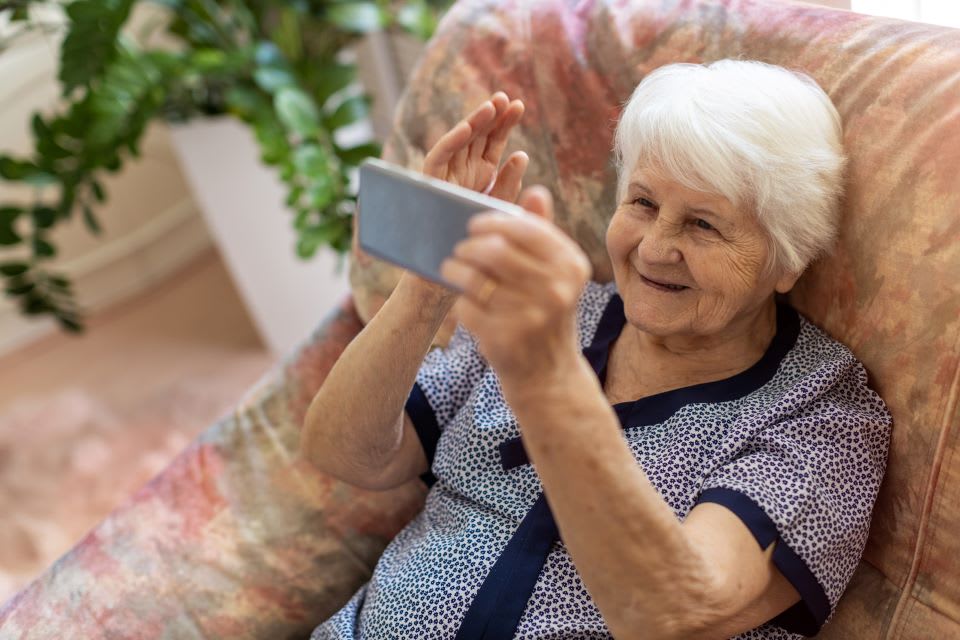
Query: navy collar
point(658, 408)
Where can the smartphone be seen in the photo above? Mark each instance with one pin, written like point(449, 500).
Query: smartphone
point(414, 221)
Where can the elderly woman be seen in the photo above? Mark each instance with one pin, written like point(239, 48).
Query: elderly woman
point(675, 454)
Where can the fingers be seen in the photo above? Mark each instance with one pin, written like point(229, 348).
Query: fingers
point(497, 140)
point(463, 276)
point(436, 161)
point(479, 287)
point(499, 129)
point(538, 201)
point(460, 135)
point(529, 232)
point(534, 235)
point(510, 179)
point(470, 152)
point(493, 255)
point(467, 157)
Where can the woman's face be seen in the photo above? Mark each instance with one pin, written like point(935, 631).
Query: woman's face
point(686, 262)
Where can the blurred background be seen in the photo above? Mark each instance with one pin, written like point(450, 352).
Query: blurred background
point(177, 179)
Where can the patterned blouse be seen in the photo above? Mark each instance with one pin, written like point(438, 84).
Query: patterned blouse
point(796, 446)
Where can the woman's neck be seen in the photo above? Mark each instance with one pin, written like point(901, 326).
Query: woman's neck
point(687, 360)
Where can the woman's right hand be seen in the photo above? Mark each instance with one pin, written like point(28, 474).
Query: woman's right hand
point(469, 154)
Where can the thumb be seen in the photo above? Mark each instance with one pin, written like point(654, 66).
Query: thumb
point(538, 201)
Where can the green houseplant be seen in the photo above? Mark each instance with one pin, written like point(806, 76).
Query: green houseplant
point(279, 66)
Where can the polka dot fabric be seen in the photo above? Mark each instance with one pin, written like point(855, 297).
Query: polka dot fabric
point(801, 456)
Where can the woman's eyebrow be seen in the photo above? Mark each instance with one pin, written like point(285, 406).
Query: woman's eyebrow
point(702, 211)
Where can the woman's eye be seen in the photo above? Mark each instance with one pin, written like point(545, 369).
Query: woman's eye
point(703, 224)
point(643, 202)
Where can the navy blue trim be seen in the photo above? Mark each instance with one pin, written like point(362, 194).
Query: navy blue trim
point(807, 616)
point(657, 408)
point(495, 612)
point(512, 454)
point(425, 422)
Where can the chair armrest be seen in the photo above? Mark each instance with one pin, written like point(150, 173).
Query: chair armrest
point(236, 538)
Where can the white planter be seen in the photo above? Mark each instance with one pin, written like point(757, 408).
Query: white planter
point(243, 204)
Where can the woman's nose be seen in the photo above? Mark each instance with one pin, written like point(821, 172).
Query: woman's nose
point(659, 244)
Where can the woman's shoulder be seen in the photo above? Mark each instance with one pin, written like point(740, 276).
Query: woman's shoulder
point(823, 375)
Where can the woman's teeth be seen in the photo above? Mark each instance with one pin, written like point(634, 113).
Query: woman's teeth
point(661, 285)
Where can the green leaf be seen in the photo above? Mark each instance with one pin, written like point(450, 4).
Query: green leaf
point(268, 55)
point(349, 111)
point(97, 190)
point(22, 171)
point(90, 220)
point(35, 305)
point(20, 289)
point(40, 129)
point(302, 220)
point(44, 217)
point(70, 324)
point(320, 193)
point(273, 141)
point(287, 33)
point(307, 246)
point(332, 231)
point(207, 60)
point(355, 155)
point(92, 40)
point(357, 17)
point(417, 18)
point(59, 283)
point(244, 102)
point(14, 268)
point(43, 248)
point(8, 234)
point(67, 194)
point(332, 78)
point(311, 160)
point(297, 111)
point(271, 79)
point(294, 196)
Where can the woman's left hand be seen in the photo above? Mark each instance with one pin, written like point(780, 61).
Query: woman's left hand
point(521, 279)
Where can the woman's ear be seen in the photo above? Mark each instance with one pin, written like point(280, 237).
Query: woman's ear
point(786, 281)
point(538, 201)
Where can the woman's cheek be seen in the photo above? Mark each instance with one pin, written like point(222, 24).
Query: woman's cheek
point(619, 237)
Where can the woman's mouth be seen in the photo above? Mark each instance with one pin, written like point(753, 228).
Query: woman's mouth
point(663, 286)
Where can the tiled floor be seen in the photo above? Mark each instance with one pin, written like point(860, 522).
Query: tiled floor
point(86, 421)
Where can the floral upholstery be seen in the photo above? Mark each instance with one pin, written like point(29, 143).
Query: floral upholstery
point(237, 539)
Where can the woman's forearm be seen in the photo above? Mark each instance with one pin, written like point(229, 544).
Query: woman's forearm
point(354, 423)
point(645, 576)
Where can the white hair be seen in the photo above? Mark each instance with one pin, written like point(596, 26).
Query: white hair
point(762, 136)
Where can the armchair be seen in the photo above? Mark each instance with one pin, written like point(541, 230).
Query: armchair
point(236, 539)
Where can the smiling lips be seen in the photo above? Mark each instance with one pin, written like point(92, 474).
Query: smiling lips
point(663, 286)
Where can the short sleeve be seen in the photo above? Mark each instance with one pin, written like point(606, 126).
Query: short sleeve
point(443, 384)
point(809, 483)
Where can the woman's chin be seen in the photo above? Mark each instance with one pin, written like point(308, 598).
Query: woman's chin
point(653, 318)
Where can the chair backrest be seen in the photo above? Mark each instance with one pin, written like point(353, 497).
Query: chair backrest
point(890, 291)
